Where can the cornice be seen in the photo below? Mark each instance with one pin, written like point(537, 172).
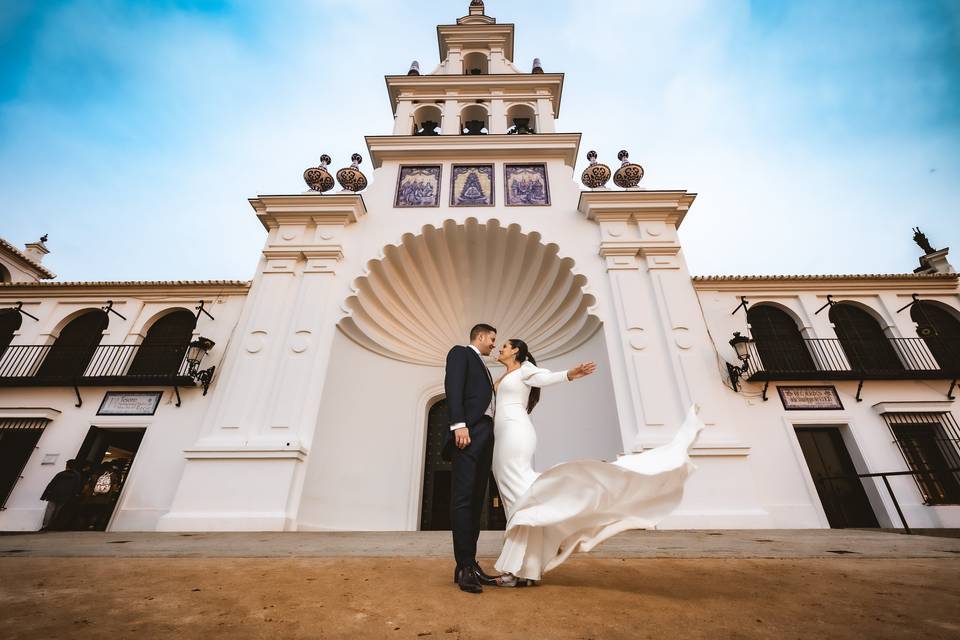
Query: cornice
point(337, 208)
point(134, 289)
point(40, 413)
point(437, 87)
point(905, 283)
point(623, 206)
point(539, 146)
point(489, 34)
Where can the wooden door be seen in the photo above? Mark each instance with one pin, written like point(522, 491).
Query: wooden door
point(844, 500)
point(435, 506)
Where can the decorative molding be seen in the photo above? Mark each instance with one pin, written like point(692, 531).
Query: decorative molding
point(541, 146)
point(517, 87)
point(421, 296)
point(667, 207)
point(245, 453)
point(339, 209)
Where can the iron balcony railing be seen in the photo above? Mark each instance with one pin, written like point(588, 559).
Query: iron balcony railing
point(59, 365)
point(835, 359)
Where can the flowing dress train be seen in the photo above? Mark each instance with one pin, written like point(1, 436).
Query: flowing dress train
point(574, 506)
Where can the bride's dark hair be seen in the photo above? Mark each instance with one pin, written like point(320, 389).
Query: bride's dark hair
point(524, 355)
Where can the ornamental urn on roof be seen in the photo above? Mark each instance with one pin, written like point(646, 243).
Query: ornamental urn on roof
point(318, 178)
point(629, 175)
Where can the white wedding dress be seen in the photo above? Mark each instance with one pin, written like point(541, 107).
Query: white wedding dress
point(575, 506)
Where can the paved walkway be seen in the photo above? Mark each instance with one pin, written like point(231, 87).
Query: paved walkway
point(783, 544)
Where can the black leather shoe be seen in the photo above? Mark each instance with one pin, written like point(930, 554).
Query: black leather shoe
point(482, 577)
point(468, 581)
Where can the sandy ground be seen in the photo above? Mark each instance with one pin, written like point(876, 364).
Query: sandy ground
point(279, 598)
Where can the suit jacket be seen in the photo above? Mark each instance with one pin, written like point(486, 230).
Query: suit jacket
point(469, 389)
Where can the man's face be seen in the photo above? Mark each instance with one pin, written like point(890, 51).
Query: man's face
point(487, 342)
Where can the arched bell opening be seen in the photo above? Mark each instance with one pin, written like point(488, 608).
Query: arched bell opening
point(476, 64)
point(427, 120)
point(475, 120)
point(521, 119)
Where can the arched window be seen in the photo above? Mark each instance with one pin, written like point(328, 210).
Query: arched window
point(863, 340)
point(474, 121)
point(476, 64)
point(940, 330)
point(5, 275)
point(71, 353)
point(779, 343)
point(162, 350)
point(9, 323)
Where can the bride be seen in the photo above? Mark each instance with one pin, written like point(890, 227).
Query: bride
point(573, 506)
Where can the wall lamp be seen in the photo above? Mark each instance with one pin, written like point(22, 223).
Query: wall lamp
point(195, 353)
point(741, 345)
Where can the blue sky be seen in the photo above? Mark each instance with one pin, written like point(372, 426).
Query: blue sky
point(816, 133)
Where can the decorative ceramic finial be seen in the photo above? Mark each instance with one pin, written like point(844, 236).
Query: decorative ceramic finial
point(43, 238)
point(414, 69)
point(350, 178)
point(537, 66)
point(596, 175)
point(921, 239)
point(319, 178)
point(629, 175)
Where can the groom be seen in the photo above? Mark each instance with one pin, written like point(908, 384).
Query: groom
point(469, 444)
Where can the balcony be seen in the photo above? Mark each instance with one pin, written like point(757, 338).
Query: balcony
point(103, 365)
point(834, 359)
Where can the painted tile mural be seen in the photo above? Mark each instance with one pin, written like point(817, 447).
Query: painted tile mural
point(472, 186)
point(418, 187)
point(526, 185)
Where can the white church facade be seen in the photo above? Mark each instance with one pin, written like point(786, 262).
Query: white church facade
point(311, 397)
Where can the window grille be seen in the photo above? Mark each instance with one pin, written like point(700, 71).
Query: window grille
point(930, 444)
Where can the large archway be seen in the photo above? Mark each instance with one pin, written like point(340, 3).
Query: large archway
point(424, 294)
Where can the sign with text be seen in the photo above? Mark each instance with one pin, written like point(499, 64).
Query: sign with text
point(129, 403)
point(810, 398)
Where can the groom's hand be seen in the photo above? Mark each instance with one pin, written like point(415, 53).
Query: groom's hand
point(462, 436)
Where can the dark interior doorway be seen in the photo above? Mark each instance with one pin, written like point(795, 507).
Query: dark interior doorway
point(107, 456)
point(844, 500)
point(435, 508)
point(18, 440)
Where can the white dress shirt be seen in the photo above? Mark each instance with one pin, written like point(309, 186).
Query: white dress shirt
point(493, 398)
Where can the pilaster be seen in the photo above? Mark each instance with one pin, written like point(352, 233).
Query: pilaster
point(657, 320)
point(260, 425)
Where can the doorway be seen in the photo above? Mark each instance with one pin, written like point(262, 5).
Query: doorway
point(106, 457)
point(844, 500)
point(18, 440)
point(435, 508)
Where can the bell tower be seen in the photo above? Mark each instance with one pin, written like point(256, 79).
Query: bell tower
point(477, 89)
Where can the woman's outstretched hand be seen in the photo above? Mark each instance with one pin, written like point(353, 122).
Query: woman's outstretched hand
point(581, 370)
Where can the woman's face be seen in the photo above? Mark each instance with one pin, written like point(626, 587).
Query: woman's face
point(507, 353)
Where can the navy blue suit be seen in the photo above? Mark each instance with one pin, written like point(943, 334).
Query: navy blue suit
point(469, 389)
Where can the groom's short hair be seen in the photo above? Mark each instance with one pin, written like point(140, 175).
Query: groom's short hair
point(480, 329)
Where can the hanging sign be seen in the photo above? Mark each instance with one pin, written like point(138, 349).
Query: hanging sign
point(810, 398)
point(129, 403)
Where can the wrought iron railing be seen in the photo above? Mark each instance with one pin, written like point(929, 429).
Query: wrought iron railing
point(54, 365)
point(932, 474)
point(832, 358)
